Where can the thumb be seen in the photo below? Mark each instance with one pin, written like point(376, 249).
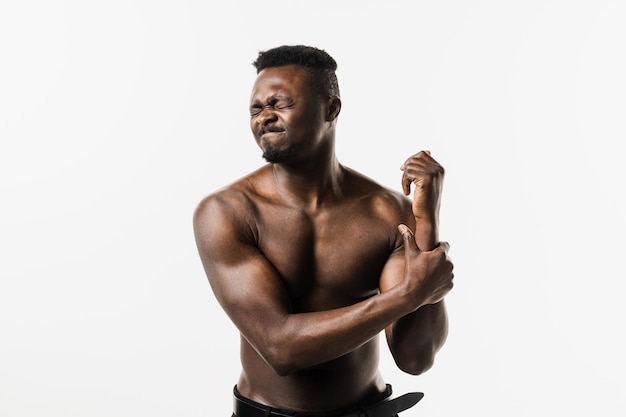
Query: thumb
point(410, 246)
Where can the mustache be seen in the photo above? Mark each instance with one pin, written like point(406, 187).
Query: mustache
point(269, 129)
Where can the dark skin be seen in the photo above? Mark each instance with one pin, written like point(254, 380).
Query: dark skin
point(312, 260)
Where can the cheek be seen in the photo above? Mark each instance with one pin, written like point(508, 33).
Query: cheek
point(297, 121)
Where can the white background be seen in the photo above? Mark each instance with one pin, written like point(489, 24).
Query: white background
point(117, 117)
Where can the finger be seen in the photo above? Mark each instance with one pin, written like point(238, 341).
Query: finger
point(412, 175)
point(410, 246)
point(416, 166)
point(418, 170)
point(418, 155)
point(426, 158)
point(445, 246)
point(423, 160)
point(424, 164)
point(406, 184)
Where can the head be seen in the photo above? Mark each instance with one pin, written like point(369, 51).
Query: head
point(295, 102)
point(318, 63)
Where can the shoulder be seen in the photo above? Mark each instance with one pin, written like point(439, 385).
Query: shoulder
point(219, 216)
point(235, 195)
point(234, 199)
point(222, 204)
point(228, 211)
point(380, 200)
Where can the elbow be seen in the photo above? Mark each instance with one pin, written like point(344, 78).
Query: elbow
point(415, 363)
point(282, 367)
point(415, 366)
point(280, 360)
point(283, 370)
point(276, 350)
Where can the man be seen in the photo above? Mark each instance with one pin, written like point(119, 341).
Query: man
point(312, 260)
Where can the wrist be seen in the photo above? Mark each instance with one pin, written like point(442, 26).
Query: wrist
point(426, 235)
point(426, 216)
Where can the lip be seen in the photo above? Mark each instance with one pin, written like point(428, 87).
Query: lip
point(271, 134)
point(271, 139)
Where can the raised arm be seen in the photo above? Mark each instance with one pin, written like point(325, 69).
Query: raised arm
point(426, 174)
point(415, 338)
point(252, 293)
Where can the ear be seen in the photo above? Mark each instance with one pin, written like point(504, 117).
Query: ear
point(334, 107)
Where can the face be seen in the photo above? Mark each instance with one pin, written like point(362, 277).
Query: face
point(286, 116)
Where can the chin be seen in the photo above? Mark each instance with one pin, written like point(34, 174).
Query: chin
point(276, 156)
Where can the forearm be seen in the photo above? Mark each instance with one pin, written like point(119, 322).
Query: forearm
point(426, 234)
point(415, 338)
point(303, 340)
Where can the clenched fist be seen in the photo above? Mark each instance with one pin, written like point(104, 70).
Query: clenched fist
point(427, 175)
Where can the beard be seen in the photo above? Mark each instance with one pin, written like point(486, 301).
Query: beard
point(276, 155)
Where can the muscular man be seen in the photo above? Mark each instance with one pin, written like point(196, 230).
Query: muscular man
point(311, 260)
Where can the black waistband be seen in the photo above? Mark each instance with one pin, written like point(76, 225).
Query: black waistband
point(387, 407)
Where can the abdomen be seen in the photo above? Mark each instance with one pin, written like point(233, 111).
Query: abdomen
point(339, 383)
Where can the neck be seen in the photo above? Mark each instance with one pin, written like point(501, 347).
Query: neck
point(309, 185)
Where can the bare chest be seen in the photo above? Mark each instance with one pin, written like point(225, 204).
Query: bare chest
point(327, 260)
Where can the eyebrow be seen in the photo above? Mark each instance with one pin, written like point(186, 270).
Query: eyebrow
point(271, 98)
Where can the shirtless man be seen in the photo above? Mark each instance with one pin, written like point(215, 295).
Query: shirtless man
point(312, 260)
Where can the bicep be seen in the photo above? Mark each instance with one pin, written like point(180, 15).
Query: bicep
point(244, 282)
point(393, 270)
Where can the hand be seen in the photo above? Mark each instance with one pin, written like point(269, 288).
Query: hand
point(427, 175)
point(428, 275)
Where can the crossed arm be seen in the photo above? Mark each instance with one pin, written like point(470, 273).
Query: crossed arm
point(254, 297)
point(415, 338)
point(251, 292)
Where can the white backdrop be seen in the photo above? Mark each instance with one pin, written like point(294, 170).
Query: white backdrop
point(117, 117)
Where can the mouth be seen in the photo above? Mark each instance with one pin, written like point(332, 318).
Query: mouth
point(269, 131)
point(271, 137)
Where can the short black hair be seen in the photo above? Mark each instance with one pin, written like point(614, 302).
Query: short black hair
point(317, 62)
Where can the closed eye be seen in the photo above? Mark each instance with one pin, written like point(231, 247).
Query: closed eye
point(256, 109)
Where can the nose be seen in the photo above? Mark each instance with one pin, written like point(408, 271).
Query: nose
point(266, 116)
